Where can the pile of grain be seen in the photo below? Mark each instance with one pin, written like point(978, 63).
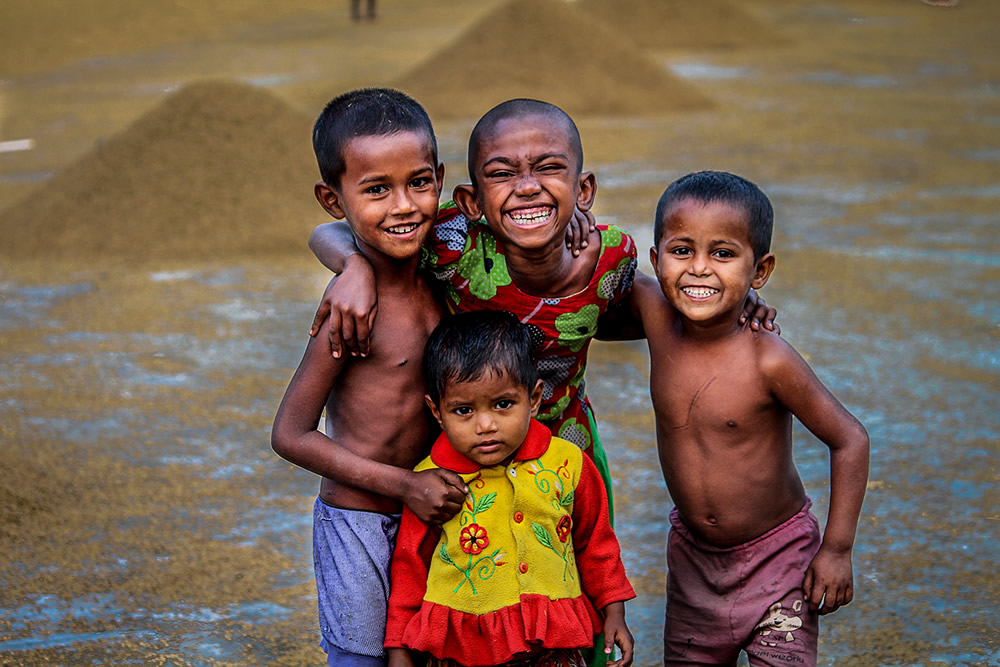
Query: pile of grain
point(548, 50)
point(682, 25)
point(218, 169)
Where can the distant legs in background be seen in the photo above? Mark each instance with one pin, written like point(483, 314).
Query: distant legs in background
point(356, 10)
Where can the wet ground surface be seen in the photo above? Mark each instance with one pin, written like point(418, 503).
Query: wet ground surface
point(146, 521)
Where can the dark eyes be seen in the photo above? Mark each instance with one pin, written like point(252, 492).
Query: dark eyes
point(377, 190)
point(724, 254)
point(505, 404)
point(420, 182)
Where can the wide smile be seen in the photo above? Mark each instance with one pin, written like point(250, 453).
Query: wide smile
point(699, 293)
point(402, 230)
point(535, 216)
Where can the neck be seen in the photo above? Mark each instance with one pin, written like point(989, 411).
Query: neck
point(711, 330)
point(548, 272)
point(391, 274)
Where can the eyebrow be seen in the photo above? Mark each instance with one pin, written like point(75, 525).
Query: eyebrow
point(535, 160)
point(377, 178)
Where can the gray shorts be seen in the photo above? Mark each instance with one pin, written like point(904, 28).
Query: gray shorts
point(351, 554)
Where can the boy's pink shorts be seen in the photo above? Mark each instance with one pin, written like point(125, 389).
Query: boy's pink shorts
point(748, 597)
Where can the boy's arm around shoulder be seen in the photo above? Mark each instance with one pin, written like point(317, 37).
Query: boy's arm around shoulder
point(435, 494)
point(829, 580)
point(624, 320)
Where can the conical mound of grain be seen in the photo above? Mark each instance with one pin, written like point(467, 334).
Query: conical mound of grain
point(682, 24)
point(217, 170)
point(548, 50)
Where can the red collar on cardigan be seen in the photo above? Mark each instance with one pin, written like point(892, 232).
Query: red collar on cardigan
point(535, 444)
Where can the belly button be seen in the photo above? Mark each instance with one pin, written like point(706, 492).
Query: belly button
point(731, 424)
point(713, 521)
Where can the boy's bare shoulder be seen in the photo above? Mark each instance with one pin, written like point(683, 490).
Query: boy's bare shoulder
point(776, 358)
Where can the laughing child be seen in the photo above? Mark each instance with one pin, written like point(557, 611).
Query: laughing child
point(747, 567)
point(530, 570)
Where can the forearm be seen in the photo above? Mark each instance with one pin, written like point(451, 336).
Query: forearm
point(848, 482)
point(333, 244)
point(323, 456)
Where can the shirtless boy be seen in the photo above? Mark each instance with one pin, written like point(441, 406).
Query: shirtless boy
point(747, 567)
point(378, 160)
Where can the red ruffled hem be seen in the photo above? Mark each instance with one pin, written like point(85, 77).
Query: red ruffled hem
point(497, 637)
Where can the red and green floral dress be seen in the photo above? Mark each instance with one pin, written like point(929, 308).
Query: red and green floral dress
point(466, 258)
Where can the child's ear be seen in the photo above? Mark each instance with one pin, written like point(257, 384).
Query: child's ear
point(765, 265)
point(440, 176)
point(536, 397)
point(434, 409)
point(465, 198)
point(329, 200)
point(654, 259)
point(588, 191)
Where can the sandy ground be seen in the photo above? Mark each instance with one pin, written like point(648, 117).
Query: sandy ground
point(155, 290)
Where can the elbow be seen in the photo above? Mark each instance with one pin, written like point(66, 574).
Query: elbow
point(281, 441)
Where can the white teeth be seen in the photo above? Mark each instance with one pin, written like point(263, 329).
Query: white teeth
point(530, 218)
point(699, 292)
point(402, 229)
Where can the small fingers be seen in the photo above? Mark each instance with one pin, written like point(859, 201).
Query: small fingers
point(347, 333)
point(336, 344)
point(321, 314)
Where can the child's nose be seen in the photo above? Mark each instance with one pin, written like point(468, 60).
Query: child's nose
point(699, 265)
point(402, 202)
point(527, 185)
point(485, 423)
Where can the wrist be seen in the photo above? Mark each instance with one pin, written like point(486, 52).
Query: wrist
point(356, 261)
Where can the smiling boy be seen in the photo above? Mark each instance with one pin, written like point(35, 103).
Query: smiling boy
point(747, 568)
point(378, 160)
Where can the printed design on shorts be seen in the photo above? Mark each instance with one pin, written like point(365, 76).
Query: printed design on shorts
point(779, 626)
point(485, 268)
point(575, 329)
point(474, 539)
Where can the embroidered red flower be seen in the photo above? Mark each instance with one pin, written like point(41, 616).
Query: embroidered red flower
point(563, 528)
point(474, 539)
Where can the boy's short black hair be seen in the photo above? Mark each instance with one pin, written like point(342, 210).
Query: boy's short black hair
point(364, 112)
point(519, 108)
point(721, 186)
point(467, 346)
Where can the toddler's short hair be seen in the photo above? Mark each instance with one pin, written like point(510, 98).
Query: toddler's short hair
point(466, 346)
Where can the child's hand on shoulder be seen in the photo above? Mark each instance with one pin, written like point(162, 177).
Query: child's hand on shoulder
point(829, 580)
point(616, 633)
point(756, 311)
point(434, 495)
point(350, 303)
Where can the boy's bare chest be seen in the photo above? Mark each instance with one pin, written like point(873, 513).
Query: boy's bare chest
point(400, 334)
point(718, 392)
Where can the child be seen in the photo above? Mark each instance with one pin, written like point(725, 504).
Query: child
point(746, 567)
point(378, 159)
point(530, 569)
